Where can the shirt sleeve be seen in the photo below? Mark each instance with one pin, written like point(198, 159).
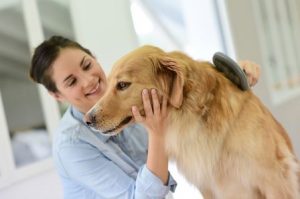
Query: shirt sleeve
point(87, 166)
point(152, 184)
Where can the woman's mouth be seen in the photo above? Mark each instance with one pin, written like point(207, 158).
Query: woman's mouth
point(95, 90)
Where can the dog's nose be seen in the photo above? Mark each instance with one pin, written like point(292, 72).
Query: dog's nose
point(90, 118)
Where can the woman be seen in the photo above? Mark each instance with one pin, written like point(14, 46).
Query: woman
point(91, 165)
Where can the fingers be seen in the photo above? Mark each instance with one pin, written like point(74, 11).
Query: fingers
point(253, 74)
point(136, 114)
point(252, 70)
point(156, 108)
point(258, 72)
point(164, 105)
point(155, 100)
point(147, 108)
point(147, 103)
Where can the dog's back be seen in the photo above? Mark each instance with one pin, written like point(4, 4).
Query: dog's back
point(226, 142)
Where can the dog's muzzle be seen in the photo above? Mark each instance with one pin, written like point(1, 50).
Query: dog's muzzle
point(90, 118)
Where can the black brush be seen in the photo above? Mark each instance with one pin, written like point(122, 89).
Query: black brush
point(231, 69)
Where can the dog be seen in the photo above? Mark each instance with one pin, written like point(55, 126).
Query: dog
point(224, 141)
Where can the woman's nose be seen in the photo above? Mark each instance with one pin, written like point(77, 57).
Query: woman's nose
point(87, 80)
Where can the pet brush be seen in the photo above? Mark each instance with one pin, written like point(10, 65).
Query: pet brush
point(231, 69)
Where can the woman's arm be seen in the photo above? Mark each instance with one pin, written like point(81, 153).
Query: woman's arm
point(86, 172)
point(155, 123)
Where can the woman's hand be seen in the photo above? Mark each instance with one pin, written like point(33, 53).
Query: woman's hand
point(155, 113)
point(252, 71)
point(155, 121)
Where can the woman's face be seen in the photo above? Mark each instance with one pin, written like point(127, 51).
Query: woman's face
point(79, 79)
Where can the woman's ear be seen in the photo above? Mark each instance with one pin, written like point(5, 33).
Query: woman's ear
point(168, 65)
point(57, 96)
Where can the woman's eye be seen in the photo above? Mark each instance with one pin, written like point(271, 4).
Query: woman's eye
point(123, 85)
point(87, 66)
point(72, 82)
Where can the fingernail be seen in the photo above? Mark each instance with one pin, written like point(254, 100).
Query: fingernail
point(133, 108)
point(153, 91)
point(145, 91)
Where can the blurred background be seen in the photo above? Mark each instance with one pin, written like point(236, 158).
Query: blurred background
point(264, 31)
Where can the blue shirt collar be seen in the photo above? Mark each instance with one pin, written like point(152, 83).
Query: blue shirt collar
point(79, 116)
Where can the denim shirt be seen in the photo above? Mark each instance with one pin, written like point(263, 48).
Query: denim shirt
point(92, 165)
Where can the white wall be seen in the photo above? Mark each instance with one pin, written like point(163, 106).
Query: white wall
point(201, 43)
point(105, 27)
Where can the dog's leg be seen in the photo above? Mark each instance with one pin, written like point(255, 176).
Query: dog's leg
point(280, 188)
point(273, 193)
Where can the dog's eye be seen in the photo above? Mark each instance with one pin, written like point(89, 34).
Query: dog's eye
point(122, 85)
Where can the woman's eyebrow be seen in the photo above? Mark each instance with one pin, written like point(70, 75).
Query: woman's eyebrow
point(66, 79)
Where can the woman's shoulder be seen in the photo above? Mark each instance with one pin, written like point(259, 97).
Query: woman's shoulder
point(69, 130)
point(72, 132)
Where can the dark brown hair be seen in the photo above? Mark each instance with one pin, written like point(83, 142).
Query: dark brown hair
point(44, 56)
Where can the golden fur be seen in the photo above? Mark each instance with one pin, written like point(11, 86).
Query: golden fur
point(223, 140)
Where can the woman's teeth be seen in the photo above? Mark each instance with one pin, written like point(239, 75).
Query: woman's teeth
point(94, 90)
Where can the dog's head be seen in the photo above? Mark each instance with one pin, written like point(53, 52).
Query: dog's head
point(145, 67)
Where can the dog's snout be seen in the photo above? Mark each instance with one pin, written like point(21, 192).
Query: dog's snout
point(90, 118)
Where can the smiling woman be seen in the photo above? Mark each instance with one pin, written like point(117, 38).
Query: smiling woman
point(77, 76)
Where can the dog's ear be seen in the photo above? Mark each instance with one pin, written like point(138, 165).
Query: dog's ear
point(172, 70)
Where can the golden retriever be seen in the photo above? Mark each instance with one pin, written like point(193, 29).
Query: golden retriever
point(223, 140)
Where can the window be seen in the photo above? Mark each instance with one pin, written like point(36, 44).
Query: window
point(279, 26)
point(28, 116)
point(153, 26)
point(200, 28)
point(56, 20)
